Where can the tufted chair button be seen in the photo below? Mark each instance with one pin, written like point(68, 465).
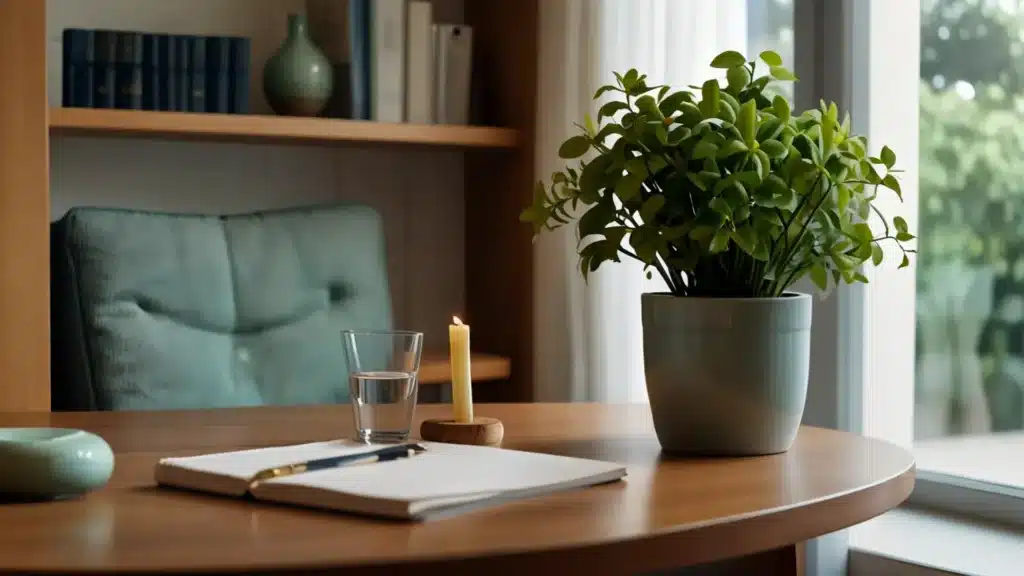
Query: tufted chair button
point(336, 293)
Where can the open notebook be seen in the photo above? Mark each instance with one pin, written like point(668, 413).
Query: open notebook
point(445, 479)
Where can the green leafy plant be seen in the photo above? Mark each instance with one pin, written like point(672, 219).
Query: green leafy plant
point(722, 190)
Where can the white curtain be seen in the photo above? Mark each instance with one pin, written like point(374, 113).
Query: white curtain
point(588, 343)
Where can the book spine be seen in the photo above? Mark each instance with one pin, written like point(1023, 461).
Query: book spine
point(388, 76)
point(238, 77)
point(167, 76)
point(218, 70)
point(151, 57)
point(361, 53)
point(77, 89)
point(419, 96)
point(128, 71)
point(197, 74)
point(182, 76)
point(454, 65)
point(104, 73)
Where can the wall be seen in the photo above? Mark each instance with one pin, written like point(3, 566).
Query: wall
point(418, 192)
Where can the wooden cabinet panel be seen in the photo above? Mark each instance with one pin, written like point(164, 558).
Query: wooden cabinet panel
point(24, 209)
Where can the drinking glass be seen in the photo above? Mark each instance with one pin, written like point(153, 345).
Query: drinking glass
point(383, 368)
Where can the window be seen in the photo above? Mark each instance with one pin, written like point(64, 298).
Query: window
point(969, 359)
point(933, 360)
point(770, 27)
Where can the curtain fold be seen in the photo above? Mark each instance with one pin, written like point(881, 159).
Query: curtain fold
point(588, 336)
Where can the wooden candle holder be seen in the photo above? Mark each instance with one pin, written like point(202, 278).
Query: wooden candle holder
point(481, 431)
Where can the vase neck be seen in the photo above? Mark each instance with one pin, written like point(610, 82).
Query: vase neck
point(296, 26)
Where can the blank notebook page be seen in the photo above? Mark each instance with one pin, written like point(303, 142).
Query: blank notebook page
point(244, 464)
point(451, 470)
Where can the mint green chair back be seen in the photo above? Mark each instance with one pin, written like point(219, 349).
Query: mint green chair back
point(158, 311)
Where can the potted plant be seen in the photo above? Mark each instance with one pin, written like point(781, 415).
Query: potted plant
point(730, 198)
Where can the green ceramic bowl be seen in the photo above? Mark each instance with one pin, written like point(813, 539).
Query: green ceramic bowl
point(52, 463)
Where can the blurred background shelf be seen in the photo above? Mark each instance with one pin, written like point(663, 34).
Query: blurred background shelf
point(448, 196)
point(276, 129)
point(434, 368)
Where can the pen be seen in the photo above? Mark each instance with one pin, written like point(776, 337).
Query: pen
point(382, 455)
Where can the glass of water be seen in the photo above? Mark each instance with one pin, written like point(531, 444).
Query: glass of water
point(382, 372)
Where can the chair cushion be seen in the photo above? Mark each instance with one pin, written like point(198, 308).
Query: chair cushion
point(171, 311)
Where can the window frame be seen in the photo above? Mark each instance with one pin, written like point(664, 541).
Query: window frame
point(969, 498)
point(864, 362)
point(822, 38)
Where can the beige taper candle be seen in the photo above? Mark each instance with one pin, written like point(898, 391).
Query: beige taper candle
point(462, 379)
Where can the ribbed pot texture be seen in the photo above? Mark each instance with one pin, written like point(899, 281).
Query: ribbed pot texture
point(726, 376)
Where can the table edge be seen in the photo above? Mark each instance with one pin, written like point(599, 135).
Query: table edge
point(669, 547)
point(704, 542)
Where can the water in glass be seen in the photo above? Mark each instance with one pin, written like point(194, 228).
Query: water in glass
point(384, 402)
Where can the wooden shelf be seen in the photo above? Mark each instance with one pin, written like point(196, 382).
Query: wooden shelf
point(270, 129)
point(434, 368)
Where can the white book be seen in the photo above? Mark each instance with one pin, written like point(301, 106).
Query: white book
point(454, 49)
point(444, 480)
point(387, 93)
point(419, 96)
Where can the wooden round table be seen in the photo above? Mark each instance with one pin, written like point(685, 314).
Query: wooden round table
point(668, 513)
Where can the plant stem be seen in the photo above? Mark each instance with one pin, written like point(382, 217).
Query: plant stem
point(656, 265)
point(789, 280)
point(756, 276)
point(881, 217)
point(621, 218)
point(796, 213)
point(677, 277)
point(788, 253)
point(810, 216)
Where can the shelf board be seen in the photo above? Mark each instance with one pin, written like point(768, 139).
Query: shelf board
point(434, 368)
point(270, 129)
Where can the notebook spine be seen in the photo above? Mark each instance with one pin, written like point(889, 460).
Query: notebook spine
point(79, 53)
point(104, 73)
point(419, 82)
point(238, 76)
point(167, 75)
point(128, 71)
point(151, 58)
point(454, 66)
point(361, 55)
point(387, 38)
point(218, 63)
point(197, 74)
point(182, 74)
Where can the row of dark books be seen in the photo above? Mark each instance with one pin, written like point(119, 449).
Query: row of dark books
point(137, 71)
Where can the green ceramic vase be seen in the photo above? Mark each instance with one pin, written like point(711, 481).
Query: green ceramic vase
point(298, 78)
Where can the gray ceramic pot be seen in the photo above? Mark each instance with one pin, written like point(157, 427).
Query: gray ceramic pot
point(726, 376)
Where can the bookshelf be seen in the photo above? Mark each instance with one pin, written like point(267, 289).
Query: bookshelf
point(497, 175)
point(435, 369)
point(270, 129)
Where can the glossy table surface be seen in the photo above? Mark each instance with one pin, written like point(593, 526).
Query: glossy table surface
point(669, 512)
